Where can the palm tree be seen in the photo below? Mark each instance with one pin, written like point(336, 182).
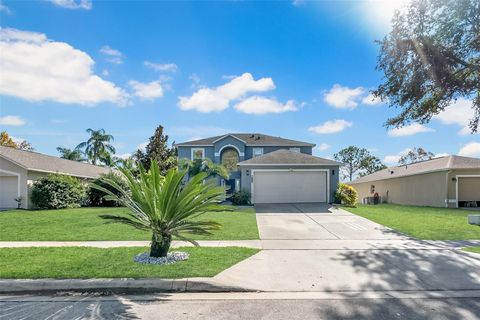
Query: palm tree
point(69, 154)
point(194, 167)
point(97, 145)
point(166, 205)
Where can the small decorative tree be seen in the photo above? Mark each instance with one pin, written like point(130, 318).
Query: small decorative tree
point(347, 195)
point(166, 205)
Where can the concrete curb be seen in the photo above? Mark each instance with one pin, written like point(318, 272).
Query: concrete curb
point(124, 285)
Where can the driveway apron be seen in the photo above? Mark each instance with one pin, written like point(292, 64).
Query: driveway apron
point(315, 247)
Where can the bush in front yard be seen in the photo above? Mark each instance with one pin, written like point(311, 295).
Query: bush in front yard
point(96, 197)
point(346, 195)
point(57, 191)
point(241, 197)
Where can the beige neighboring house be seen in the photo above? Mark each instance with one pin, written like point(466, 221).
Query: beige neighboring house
point(451, 181)
point(19, 169)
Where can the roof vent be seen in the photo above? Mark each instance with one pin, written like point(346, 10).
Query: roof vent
point(392, 172)
point(252, 136)
point(257, 138)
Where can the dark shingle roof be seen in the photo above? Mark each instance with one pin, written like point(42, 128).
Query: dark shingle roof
point(288, 157)
point(437, 164)
point(35, 161)
point(251, 139)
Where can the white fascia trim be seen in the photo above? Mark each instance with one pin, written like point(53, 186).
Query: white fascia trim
point(18, 179)
point(240, 154)
point(456, 183)
point(274, 170)
point(228, 135)
point(195, 145)
point(14, 162)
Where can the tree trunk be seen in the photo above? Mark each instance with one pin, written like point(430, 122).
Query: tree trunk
point(160, 245)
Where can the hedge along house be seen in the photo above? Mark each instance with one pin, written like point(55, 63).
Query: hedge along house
point(272, 169)
point(19, 169)
point(451, 181)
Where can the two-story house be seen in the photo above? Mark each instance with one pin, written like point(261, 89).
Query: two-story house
point(272, 169)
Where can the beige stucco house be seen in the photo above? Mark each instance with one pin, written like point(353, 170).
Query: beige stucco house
point(451, 181)
point(19, 169)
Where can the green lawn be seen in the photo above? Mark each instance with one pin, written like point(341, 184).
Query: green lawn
point(421, 222)
point(81, 262)
point(86, 224)
point(472, 249)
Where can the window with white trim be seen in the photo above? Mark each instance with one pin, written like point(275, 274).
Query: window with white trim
point(198, 153)
point(257, 152)
point(295, 150)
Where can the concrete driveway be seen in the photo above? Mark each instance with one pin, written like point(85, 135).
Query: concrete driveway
point(314, 247)
point(316, 221)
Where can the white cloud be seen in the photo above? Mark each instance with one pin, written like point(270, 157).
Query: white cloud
point(147, 91)
point(441, 154)
point(409, 130)
point(105, 73)
point(195, 80)
point(471, 149)
point(343, 97)
point(261, 105)
point(4, 8)
point(332, 126)
point(172, 67)
point(73, 4)
point(112, 55)
point(393, 158)
point(12, 121)
point(35, 68)
point(219, 98)
point(371, 100)
point(124, 156)
point(323, 147)
point(459, 113)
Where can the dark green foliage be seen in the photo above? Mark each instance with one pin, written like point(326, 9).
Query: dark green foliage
point(196, 166)
point(430, 58)
point(57, 191)
point(241, 198)
point(98, 147)
point(357, 161)
point(96, 196)
point(157, 150)
point(75, 154)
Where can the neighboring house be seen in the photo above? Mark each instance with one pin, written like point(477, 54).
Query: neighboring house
point(450, 181)
point(19, 169)
point(273, 169)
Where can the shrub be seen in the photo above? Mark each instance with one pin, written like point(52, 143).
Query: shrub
point(96, 196)
point(346, 195)
point(57, 191)
point(240, 198)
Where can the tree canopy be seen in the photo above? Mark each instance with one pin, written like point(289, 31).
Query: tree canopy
point(98, 147)
point(430, 58)
point(357, 161)
point(415, 155)
point(158, 150)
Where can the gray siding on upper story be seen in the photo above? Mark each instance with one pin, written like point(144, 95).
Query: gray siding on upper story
point(268, 149)
point(186, 152)
point(246, 180)
point(226, 142)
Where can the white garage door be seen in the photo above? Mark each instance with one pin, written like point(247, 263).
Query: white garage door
point(289, 186)
point(8, 191)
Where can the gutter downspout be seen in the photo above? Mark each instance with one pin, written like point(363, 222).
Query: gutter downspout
point(446, 191)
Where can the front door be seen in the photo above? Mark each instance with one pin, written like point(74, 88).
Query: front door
point(230, 186)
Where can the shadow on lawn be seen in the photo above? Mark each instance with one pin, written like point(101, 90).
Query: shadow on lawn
point(402, 270)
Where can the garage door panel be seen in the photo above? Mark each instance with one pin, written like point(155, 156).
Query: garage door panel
point(469, 189)
point(290, 186)
point(8, 191)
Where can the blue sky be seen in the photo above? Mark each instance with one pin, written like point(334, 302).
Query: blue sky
point(301, 70)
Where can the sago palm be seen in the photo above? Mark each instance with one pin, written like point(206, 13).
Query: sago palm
point(167, 205)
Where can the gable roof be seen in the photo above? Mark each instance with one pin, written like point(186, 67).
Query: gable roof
point(35, 161)
point(288, 157)
point(433, 165)
point(250, 139)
